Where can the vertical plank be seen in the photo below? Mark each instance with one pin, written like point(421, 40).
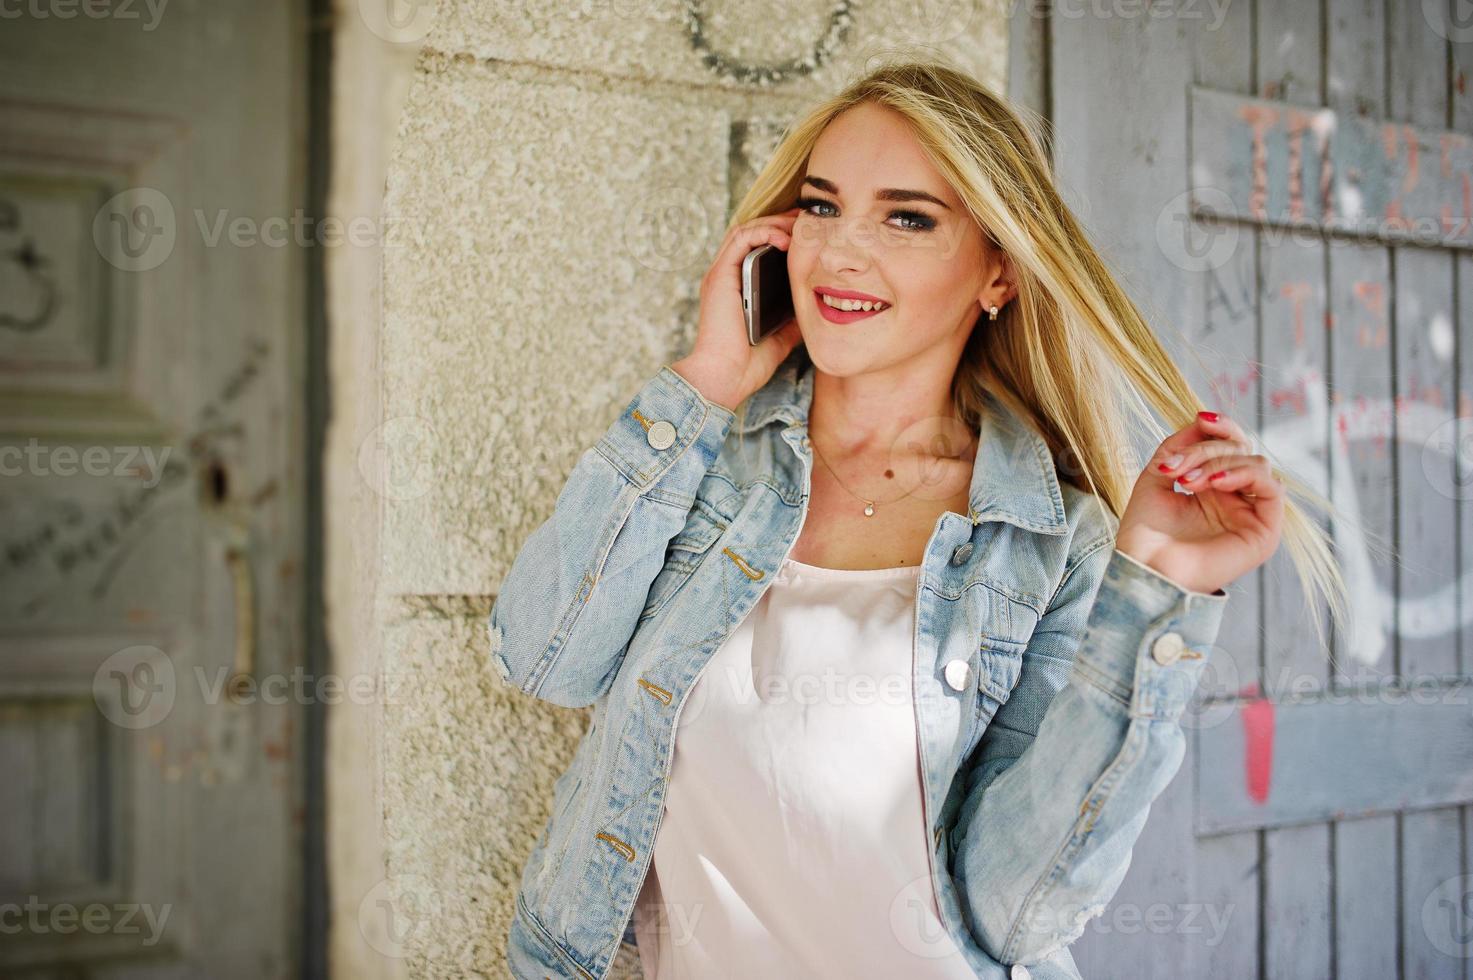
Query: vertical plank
point(1460, 112)
point(1422, 326)
point(19, 756)
point(1292, 305)
point(1297, 868)
point(1360, 469)
point(1229, 865)
point(1365, 898)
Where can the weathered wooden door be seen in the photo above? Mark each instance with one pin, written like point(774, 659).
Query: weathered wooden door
point(151, 534)
point(1287, 188)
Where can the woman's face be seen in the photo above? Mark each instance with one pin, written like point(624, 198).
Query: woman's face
point(923, 256)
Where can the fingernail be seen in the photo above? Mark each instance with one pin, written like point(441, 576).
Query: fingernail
point(1218, 474)
point(1172, 462)
point(1191, 474)
point(1209, 416)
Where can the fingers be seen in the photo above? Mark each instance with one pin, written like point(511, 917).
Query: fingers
point(746, 237)
point(783, 220)
point(1234, 472)
point(1206, 436)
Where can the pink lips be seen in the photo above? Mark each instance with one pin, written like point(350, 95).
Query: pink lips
point(843, 316)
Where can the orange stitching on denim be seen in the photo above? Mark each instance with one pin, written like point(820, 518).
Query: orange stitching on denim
point(624, 848)
point(747, 570)
point(656, 691)
point(640, 418)
point(1093, 806)
point(1190, 655)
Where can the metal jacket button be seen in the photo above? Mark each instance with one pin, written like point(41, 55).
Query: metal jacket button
point(958, 672)
point(961, 554)
point(1018, 972)
point(1167, 648)
point(661, 435)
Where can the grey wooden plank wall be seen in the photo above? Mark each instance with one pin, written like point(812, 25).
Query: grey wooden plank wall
point(1319, 826)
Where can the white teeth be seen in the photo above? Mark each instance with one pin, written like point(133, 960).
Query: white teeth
point(852, 305)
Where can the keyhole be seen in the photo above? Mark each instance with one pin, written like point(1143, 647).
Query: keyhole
point(217, 482)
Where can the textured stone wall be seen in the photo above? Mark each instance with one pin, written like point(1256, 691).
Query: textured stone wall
point(560, 179)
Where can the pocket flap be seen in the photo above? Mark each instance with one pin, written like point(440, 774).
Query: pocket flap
point(1001, 666)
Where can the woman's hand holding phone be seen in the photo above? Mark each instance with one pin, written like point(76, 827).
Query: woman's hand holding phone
point(723, 365)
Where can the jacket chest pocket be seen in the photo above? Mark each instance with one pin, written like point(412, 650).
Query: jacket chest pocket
point(1000, 662)
point(683, 556)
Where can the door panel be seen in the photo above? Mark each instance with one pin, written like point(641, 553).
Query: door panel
point(151, 529)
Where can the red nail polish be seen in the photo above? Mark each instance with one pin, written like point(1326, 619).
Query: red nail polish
point(1209, 416)
point(1164, 468)
point(1218, 474)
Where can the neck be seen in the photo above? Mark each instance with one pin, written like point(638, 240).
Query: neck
point(889, 415)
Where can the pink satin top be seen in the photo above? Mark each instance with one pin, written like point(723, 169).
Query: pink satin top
point(793, 843)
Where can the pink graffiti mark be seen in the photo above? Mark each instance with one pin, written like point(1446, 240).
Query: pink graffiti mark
point(1297, 293)
point(1258, 743)
point(1371, 294)
point(1449, 145)
point(1365, 423)
point(1259, 118)
point(1294, 397)
point(1229, 389)
point(1391, 135)
point(1296, 126)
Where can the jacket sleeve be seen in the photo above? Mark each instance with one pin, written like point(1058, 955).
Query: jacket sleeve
point(1056, 798)
point(568, 607)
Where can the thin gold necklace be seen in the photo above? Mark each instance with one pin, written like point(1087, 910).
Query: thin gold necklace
point(869, 505)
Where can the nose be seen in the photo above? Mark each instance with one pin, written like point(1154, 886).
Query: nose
point(845, 248)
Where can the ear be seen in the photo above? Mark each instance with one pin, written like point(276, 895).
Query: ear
point(1005, 282)
point(1008, 278)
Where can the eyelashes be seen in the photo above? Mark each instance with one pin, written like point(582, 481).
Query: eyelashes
point(917, 220)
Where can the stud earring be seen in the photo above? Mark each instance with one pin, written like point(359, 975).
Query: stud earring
point(992, 313)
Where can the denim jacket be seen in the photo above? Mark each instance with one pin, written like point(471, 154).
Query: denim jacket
point(1050, 670)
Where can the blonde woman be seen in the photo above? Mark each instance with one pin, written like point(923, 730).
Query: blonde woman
point(881, 686)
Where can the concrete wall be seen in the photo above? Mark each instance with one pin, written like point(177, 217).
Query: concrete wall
point(561, 178)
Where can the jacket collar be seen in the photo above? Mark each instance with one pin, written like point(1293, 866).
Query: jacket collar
point(1013, 477)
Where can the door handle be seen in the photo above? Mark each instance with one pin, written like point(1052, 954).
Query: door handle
point(243, 586)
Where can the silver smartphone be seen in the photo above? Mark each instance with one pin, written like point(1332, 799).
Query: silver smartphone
point(767, 299)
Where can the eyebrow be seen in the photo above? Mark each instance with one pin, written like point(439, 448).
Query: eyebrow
point(884, 194)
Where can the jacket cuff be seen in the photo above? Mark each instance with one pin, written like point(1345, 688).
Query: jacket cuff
point(666, 418)
point(1148, 638)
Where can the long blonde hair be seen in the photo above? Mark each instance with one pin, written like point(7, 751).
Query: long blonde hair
point(1071, 354)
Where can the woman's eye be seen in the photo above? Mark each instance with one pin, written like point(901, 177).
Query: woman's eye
point(807, 203)
point(919, 222)
point(912, 220)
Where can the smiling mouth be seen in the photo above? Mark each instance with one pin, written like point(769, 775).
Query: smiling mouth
point(836, 315)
